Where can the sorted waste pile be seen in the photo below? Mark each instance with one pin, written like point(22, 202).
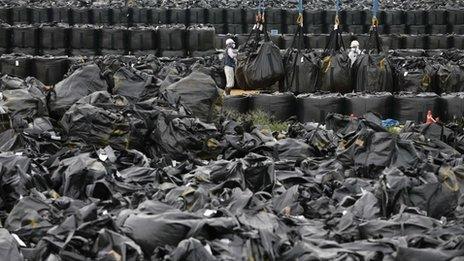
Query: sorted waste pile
point(126, 159)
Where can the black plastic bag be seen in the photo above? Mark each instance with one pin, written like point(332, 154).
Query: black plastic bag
point(301, 68)
point(315, 107)
point(279, 106)
point(450, 78)
point(197, 92)
point(80, 83)
point(359, 104)
point(336, 66)
point(264, 66)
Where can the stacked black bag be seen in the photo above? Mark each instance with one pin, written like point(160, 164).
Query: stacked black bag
point(372, 70)
point(301, 68)
point(336, 65)
point(259, 62)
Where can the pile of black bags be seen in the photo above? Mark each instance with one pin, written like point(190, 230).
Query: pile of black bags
point(127, 158)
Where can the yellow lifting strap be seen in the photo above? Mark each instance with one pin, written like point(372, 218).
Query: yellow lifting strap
point(299, 19)
point(337, 20)
point(375, 22)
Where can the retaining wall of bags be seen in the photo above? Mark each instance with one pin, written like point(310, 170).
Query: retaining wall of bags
point(402, 106)
point(173, 40)
point(85, 39)
point(237, 20)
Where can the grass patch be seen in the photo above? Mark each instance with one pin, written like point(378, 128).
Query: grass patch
point(260, 119)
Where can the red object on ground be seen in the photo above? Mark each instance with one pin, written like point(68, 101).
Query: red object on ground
point(430, 118)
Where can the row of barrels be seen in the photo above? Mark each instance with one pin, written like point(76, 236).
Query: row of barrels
point(315, 107)
point(134, 15)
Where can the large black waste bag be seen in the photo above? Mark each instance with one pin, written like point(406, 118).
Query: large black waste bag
point(398, 225)
point(32, 216)
point(238, 103)
point(54, 40)
point(131, 83)
point(453, 106)
point(439, 198)
point(264, 66)
point(21, 15)
point(142, 40)
point(141, 16)
point(151, 230)
point(110, 244)
point(372, 71)
point(315, 107)
point(84, 40)
point(5, 38)
point(416, 75)
point(80, 15)
point(179, 137)
point(29, 102)
point(361, 103)
point(121, 16)
point(41, 15)
point(9, 247)
point(336, 66)
point(113, 40)
point(99, 119)
point(281, 106)
point(16, 65)
point(171, 37)
point(259, 173)
point(428, 254)
point(199, 93)
point(100, 16)
point(25, 39)
point(200, 38)
point(414, 107)
point(76, 174)
point(190, 250)
point(450, 78)
point(301, 68)
point(80, 83)
point(50, 70)
point(363, 153)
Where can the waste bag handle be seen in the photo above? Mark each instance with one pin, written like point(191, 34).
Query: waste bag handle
point(257, 28)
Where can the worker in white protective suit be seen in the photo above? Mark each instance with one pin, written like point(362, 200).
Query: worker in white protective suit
point(229, 64)
point(354, 51)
